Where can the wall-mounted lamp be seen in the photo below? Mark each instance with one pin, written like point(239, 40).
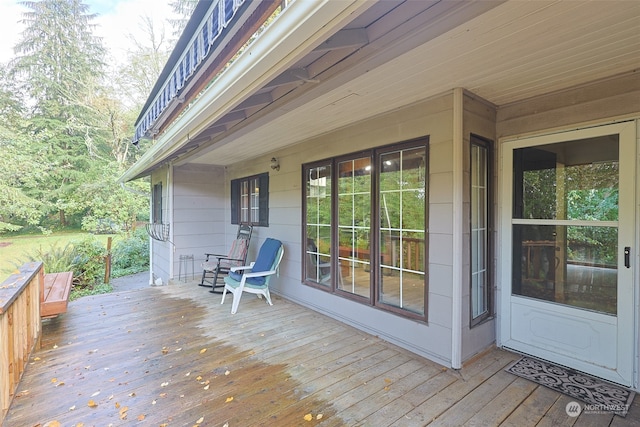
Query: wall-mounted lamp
point(275, 164)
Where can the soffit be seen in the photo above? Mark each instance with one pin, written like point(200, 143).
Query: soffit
point(502, 52)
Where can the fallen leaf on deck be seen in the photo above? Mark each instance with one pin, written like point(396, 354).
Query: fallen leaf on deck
point(132, 394)
point(117, 405)
point(92, 404)
point(36, 358)
point(206, 387)
point(198, 378)
point(141, 417)
point(123, 412)
point(187, 374)
point(319, 417)
point(54, 380)
point(53, 424)
point(80, 425)
point(165, 350)
point(95, 394)
point(227, 372)
point(387, 380)
point(164, 384)
point(200, 420)
point(308, 417)
point(229, 399)
point(178, 349)
point(73, 408)
point(204, 350)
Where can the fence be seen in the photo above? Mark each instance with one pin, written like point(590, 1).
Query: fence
point(20, 327)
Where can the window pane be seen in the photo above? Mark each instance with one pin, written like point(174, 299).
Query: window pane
point(244, 202)
point(572, 265)
point(479, 231)
point(255, 200)
point(402, 229)
point(354, 225)
point(318, 225)
point(566, 181)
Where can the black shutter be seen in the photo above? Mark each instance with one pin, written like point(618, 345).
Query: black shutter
point(235, 201)
point(263, 203)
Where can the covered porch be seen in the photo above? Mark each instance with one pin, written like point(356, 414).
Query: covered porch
point(173, 356)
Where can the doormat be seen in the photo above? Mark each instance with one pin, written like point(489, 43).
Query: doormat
point(599, 395)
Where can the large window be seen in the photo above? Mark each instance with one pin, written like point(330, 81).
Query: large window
point(365, 219)
point(480, 231)
point(250, 200)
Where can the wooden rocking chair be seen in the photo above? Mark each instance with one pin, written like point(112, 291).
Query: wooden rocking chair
point(216, 266)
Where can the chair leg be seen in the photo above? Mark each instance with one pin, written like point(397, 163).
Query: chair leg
point(236, 302)
point(215, 282)
point(202, 282)
point(267, 295)
point(224, 294)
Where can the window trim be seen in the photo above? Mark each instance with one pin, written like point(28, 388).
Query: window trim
point(487, 144)
point(373, 299)
point(263, 201)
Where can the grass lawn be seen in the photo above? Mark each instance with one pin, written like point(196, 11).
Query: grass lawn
point(13, 249)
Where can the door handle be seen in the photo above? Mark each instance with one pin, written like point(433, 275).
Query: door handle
point(627, 256)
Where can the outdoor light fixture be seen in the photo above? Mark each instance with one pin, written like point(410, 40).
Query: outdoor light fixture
point(275, 164)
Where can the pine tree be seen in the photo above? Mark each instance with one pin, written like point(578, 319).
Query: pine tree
point(59, 64)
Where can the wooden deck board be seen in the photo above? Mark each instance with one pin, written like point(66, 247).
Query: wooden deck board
point(175, 355)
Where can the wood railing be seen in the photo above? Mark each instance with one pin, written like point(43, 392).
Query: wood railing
point(20, 327)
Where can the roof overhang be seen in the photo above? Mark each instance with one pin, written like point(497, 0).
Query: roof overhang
point(323, 65)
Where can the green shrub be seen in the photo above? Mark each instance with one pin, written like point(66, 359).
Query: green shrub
point(56, 259)
point(90, 256)
point(131, 254)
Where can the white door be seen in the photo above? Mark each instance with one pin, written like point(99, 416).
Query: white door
point(568, 249)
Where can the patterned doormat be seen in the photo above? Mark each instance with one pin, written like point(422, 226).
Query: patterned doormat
point(599, 395)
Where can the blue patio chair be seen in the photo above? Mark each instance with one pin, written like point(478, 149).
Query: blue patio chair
point(254, 278)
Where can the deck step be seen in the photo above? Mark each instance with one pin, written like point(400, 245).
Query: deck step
point(55, 294)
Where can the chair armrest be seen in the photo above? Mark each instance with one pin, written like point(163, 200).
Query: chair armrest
point(220, 258)
point(243, 267)
point(260, 273)
point(215, 255)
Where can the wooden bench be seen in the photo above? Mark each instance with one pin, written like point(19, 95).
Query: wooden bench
point(54, 295)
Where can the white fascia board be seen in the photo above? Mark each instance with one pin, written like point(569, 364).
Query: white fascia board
point(300, 27)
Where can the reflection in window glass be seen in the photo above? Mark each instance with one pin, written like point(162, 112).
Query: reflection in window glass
point(365, 227)
point(318, 223)
point(402, 229)
point(354, 225)
point(479, 231)
point(569, 265)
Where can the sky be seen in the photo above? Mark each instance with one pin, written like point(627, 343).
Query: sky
point(116, 19)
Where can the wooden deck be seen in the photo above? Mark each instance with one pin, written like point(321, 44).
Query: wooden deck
point(173, 356)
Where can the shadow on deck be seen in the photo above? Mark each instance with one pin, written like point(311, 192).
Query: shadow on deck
point(174, 356)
